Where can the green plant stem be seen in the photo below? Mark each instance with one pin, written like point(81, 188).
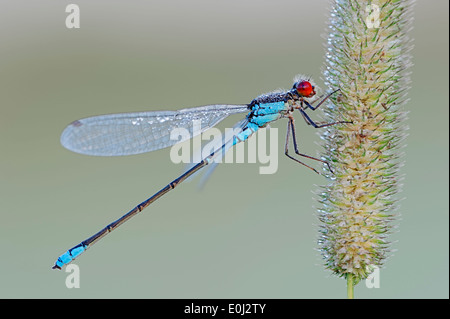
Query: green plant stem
point(350, 286)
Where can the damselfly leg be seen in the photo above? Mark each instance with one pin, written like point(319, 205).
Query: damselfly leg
point(291, 131)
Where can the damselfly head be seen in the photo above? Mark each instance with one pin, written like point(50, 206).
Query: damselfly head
point(305, 88)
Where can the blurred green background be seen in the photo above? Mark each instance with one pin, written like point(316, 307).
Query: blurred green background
point(245, 235)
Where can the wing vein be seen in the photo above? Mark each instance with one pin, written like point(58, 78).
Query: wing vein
point(140, 132)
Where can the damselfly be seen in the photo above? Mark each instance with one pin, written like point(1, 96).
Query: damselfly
point(134, 133)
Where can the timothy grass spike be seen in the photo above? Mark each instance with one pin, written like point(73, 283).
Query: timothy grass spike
point(368, 53)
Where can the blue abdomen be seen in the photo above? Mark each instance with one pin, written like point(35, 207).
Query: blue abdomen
point(70, 255)
point(266, 112)
point(260, 115)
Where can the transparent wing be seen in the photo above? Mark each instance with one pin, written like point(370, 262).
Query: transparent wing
point(220, 147)
point(140, 132)
point(221, 151)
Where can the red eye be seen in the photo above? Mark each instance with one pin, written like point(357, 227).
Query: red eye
point(304, 88)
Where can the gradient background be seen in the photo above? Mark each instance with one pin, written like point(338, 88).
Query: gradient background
point(245, 235)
